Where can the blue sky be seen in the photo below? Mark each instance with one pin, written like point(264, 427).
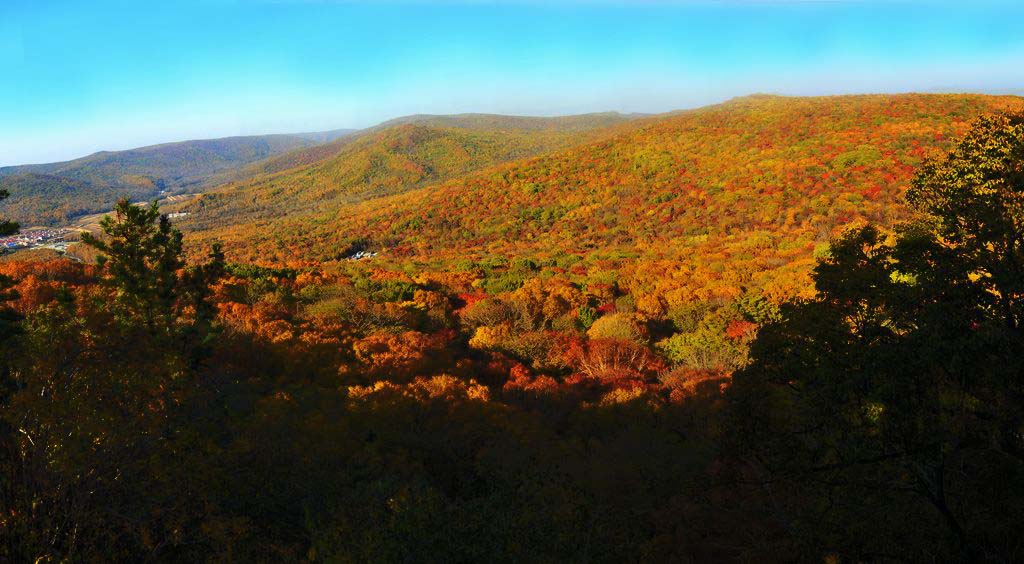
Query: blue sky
point(81, 76)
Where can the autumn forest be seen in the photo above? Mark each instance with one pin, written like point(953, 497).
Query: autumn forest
point(776, 329)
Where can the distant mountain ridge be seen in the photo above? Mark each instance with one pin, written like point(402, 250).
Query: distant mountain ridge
point(470, 121)
point(578, 122)
point(53, 193)
point(57, 193)
point(225, 146)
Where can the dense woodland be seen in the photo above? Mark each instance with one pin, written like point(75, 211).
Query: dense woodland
point(392, 158)
point(796, 340)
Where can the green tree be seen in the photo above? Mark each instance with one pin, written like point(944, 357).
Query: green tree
point(7, 227)
point(151, 288)
point(8, 317)
point(141, 256)
point(9, 328)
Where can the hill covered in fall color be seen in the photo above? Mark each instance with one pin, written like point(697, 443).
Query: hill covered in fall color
point(53, 193)
point(394, 157)
point(705, 203)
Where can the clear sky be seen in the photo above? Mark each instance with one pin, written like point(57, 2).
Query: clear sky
point(77, 76)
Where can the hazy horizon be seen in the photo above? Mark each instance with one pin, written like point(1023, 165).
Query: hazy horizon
point(86, 77)
point(386, 119)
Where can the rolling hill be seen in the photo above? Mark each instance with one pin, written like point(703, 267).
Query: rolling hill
point(701, 204)
point(392, 158)
point(577, 123)
point(56, 192)
point(486, 122)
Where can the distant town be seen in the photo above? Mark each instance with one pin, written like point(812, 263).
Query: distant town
point(57, 239)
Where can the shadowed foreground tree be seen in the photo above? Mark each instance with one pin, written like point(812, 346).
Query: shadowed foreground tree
point(7, 227)
point(105, 388)
point(885, 417)
point(8, 318)
point(9, 329)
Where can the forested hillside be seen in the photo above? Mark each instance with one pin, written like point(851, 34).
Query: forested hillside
point(45, 198)
point(392, 158)
point(578, 123)
point(55, 192)
point(622, 379)
point(704, 204)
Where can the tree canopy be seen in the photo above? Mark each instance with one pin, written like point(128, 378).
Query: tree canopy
point(166, 406)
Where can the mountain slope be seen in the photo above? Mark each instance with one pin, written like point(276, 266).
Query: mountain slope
point(701, 203)
point(583, 123)
point(41, 196)
point(93, 183)
point(579, 123)
point(388, 159)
